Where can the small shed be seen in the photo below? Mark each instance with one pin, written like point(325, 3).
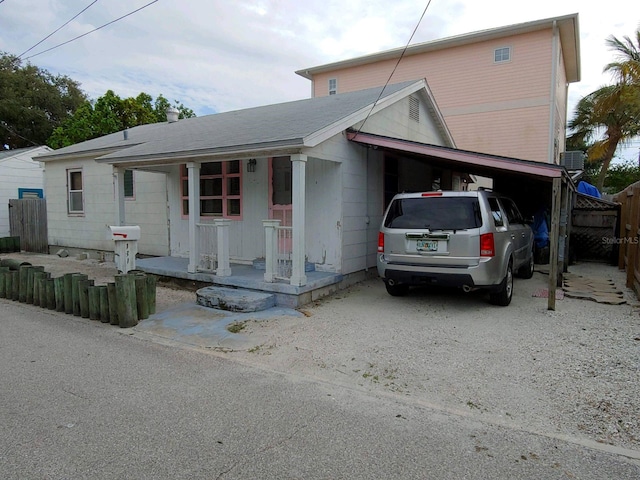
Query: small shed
point(21, 177)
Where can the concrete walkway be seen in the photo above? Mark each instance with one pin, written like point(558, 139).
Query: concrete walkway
point(195, 325)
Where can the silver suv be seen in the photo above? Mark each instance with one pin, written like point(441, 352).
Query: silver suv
point(469, 240)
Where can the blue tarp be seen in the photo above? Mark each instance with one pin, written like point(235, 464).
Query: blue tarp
point(540, 229)
point(588, 189)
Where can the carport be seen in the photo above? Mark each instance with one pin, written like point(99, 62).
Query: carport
point(533, 185)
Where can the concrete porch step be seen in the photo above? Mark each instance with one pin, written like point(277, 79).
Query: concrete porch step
point(234, 299)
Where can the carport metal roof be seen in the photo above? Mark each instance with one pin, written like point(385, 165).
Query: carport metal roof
point(493, 165)
point(473, 162)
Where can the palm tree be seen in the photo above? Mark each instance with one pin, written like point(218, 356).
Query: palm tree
point(610, 116)
point(627, 68)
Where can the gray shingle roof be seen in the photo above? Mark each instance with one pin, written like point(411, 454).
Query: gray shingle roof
point(17, 151)
point(279, 125)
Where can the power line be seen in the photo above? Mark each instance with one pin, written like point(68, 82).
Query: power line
point(95, 29)
point(2, 124)
point(58, 29)
point(394, 68)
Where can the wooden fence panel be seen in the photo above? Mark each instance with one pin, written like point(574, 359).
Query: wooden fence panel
point(628, 258)
point(28, 220)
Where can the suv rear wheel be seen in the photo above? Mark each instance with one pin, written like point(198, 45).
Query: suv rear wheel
point(503, 296)
point(396, 290)
point(526, 271)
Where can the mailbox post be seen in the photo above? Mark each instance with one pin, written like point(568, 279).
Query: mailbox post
point(126, 246)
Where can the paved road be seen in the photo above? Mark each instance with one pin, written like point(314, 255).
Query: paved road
point(79, 399)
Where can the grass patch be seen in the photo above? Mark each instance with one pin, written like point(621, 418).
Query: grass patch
point(236, 327)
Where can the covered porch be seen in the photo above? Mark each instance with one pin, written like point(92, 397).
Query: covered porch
point(248, 277)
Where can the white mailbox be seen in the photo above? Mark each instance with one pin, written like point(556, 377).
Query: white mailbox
point(126, 246)
point(125, 232)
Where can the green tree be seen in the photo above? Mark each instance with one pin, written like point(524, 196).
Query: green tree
point(610, 116)
point(109, 114)
point(161, 105)
point(620, 176)
point(33, 102)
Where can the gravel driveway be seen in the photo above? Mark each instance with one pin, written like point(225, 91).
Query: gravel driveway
point(571, 372)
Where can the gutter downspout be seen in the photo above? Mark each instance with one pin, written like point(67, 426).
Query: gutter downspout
point(553, 93)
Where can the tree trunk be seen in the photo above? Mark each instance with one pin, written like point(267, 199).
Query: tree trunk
point(606, 161)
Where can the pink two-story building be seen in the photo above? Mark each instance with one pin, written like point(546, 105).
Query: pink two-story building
point(501, 91)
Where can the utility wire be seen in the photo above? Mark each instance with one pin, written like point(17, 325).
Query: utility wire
point(11, 131)
point(95, 29)
point(394, 68)
point(58, 29)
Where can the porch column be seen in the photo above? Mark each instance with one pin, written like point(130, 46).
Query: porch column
point(118, 183)
point(271, 237)
point(193, 177)
point(298, 164)
point(222, 231)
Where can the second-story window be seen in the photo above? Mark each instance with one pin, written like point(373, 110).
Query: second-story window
point(502, 54)
point(333, 86)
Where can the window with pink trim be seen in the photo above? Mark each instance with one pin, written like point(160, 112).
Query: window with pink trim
point(220, 189)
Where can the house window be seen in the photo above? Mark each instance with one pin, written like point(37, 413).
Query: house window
point(414, 109)
point(128, 184)
point(75, 191)
point(502, 54)
point(333, 86)
point(220, 189)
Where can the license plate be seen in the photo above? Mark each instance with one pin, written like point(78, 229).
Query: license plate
point(427, 245)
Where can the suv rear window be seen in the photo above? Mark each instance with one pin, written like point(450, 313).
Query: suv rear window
point(434, 213)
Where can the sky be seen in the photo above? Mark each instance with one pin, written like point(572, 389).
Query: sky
point(216, 55)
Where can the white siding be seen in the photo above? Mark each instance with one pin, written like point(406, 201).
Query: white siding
point(394, 121)
point(323, 214)
point(18, 171)
point(89, 230)
point(347, 213)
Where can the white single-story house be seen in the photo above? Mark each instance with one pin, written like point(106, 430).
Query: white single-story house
point(283, 198)
point(20, 177)
point(283, 187)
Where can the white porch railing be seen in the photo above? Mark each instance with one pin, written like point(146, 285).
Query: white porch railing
point(208, 247)
point(284, 262)
point(279, 250)
point(213, 247)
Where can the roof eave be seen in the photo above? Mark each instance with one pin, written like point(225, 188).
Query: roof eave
point(462, 157)
point(217, 154)
point(80, 155)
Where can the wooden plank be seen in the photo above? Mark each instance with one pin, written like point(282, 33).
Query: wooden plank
point(554, 239)
point(632, 249)
point(126, 300)
point(28, 220)
point(624, 223)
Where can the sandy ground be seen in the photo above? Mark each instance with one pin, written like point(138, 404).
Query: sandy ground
point(573, 371)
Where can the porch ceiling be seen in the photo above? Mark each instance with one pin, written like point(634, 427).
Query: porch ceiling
point(469, 162)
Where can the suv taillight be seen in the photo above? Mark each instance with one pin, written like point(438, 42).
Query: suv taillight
point(487, 247)
point(380, 242)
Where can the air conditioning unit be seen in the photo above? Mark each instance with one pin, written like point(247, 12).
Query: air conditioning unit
point(573, 160)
